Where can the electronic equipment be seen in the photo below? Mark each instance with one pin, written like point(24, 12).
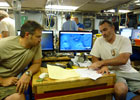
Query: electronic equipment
point(138, 27)
point(47, 42)
point(18, 32)
point(135, 34)
point(75, 41)
point(95, 31)
point(127, 32)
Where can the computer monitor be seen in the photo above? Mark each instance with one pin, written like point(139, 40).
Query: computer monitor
point(135, 34)
point(127, 32)
point(47, 42)
point(75, 41)
point(18, 32)
point(138, 27)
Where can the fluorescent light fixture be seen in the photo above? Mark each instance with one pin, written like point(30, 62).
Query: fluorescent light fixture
point(138, 4)
point(4, 4)
point(59, 7)
point(137, 1)
point(124, 11)
point(120, 11)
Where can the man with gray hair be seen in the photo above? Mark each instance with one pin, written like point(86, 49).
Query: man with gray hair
point(7, 25)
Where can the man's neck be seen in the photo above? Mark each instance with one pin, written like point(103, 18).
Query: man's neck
point(112, 39)
point(23, 42)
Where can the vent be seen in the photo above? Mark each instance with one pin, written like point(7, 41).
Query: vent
point(102, 1)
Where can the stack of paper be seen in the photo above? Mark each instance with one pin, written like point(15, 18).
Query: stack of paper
point(85, 72)
point(56, 72)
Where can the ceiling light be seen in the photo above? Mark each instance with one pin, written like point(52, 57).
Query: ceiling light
point(59, 7)
point(124, 11)
point(4, 4)
point(102, 1)
point(138, 4)
point(137, 1)
point(120, 11)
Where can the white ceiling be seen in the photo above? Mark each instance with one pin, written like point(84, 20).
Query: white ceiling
point(84, 5)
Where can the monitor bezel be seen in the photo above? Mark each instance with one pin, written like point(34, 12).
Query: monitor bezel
point(43, 50)
point(75, 50)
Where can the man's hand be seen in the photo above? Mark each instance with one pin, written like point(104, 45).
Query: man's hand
point(23, 83)
point(96, 65)
point(103, 70)
point(9, 81)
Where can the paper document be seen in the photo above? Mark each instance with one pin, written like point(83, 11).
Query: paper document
point(84, 64)
point(85, 72)
point(56, 72)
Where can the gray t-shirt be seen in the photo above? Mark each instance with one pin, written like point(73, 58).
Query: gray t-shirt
point(14, 57)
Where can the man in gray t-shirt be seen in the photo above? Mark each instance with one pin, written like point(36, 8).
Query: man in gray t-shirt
point(16, 53)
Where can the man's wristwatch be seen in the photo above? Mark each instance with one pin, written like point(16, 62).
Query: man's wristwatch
point(29, 73)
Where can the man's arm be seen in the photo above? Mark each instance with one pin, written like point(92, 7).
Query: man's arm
point(35, 66)
point(119, 60)
point(5, 34)
point(103, 69)
point(24, 81)
point(80, 29)
point(0, 81)
point(94, 59)
point(8, 81)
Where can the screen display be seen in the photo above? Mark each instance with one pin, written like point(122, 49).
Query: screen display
point(138, 27)
point(136, 34)
point(127, 32)
point(75, 41)
point(47, 40)
point(18, 32)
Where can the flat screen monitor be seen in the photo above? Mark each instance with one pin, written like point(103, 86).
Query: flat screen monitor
point(127, 32)
point(135, 34)
point(18, 32)
point(75, 41)
point(138, 27)
point(47, 42)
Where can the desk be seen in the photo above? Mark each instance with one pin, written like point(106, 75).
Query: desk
point(73, 88)
point(56, 59)
point(66, 58)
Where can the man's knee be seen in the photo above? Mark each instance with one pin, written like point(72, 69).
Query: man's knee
point(16, 96)
point(120, 88)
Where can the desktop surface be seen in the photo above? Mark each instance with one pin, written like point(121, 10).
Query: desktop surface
point(66, 89)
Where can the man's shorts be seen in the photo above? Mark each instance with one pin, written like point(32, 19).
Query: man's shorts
point(6, 91)
point(132, 80)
